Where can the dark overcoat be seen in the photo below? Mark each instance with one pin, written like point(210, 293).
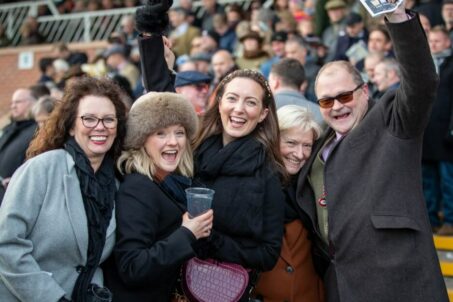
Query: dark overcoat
point(435, 146)
point(380, 241)
point(151, 243)
point(13, 145)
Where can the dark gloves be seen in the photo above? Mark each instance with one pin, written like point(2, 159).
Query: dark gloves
point(207, 247)
point(152, 17)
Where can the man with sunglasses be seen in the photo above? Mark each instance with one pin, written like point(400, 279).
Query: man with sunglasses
point(362, 185)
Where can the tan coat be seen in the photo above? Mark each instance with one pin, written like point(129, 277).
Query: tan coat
point(293, 278)
point(183, 43)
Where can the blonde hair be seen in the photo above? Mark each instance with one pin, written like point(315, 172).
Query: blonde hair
point(137, 160)
point(294, 116)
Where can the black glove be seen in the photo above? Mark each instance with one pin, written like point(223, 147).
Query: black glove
point(207, 247)
point(153, 17)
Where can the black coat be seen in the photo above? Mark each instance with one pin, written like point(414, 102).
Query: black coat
point(248, 202)
point(151, 243)
point(345, 42)
point(435, 147)
point(380, 242)
point(13, 145)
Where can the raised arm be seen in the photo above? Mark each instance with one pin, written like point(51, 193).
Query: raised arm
point(418, 86)
point(156, 58)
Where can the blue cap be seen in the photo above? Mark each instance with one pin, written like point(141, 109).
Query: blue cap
point(191, 77)
point(115, 49)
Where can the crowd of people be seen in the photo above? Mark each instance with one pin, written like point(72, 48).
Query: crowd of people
point(329, 148)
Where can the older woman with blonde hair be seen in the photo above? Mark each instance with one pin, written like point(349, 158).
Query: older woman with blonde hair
point(294, 277)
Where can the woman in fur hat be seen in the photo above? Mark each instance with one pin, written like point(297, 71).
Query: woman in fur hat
point(155, 234)
point(237, 154)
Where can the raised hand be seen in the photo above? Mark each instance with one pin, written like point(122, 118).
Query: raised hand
point(169, 55)
point(153, 16)
point(398, 15)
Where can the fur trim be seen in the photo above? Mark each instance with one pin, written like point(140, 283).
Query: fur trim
point(157, 110)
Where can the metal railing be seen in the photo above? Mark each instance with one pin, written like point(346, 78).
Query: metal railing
point(82, 27)
point(76, 27)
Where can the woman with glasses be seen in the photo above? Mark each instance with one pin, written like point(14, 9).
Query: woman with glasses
point(57, 217)
point(294, 278)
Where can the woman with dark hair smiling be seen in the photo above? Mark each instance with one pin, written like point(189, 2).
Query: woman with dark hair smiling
point(237, 154)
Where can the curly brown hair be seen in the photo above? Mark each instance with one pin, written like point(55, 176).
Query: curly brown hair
point(53, 134)
point(267, 132)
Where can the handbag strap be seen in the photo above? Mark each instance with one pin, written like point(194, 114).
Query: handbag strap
point(253, 280)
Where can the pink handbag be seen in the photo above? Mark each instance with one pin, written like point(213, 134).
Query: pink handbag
point(213, 281)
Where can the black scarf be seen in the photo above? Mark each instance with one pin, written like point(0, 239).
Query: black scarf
point(290, 202)
point(175, 186)
point(98, 192)
point(241, 157)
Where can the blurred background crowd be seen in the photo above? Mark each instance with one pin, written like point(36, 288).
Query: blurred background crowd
point(212, 38)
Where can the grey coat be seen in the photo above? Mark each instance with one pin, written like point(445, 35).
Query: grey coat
point(380, 242)
point(44, 234)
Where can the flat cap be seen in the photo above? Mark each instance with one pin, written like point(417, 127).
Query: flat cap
point(333, 4)
point(279, 36)
point(185, 78)
point(115, 49)
point(353, 18)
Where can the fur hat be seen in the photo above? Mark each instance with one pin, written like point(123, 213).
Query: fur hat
point(157, 110)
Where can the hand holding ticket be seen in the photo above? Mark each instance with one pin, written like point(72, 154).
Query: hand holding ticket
point(379, 7)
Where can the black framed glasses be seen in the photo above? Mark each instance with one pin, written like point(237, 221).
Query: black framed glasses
point(92, 121)
point(343, 98)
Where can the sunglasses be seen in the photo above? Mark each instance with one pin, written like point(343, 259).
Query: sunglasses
point(343, 98)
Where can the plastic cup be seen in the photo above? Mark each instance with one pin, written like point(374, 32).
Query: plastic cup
point(199, 200)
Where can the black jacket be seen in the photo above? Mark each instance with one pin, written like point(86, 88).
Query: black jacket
point(13, 145)
point(435, 146)
point(151, 243)
point(248, 202)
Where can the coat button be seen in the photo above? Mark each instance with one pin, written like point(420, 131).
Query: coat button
point(289, 269)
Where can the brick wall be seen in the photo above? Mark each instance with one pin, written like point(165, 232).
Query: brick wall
point(11, 77)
